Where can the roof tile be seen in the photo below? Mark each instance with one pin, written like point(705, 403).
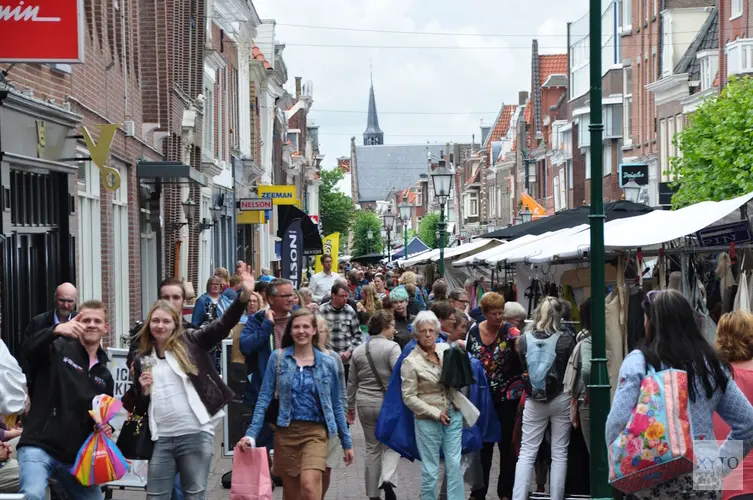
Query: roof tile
point(551, 64)
point(256, 54)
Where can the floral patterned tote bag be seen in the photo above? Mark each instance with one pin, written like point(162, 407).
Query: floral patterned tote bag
point(657, 443)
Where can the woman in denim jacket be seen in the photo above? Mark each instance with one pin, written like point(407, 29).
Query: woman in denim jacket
point(311, 409)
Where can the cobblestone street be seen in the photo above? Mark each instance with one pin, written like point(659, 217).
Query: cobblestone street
point(347, 482)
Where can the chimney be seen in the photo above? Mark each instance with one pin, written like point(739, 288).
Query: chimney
point(522, 97)
point(298, 87)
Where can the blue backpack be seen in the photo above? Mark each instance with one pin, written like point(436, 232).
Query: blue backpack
point(542, 369)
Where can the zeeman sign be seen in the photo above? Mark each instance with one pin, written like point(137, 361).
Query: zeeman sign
point(280, 195)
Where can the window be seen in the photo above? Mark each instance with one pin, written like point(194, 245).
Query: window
point(473, 204)
point(579, 68)
point(627, 17)
point(737, 9)
point(640, 100)
point(90, 232)
point(612, 118)
point(567, 143)
point(584, 135)
point(709, 69)
point(627, 105)
point(679, 125)
point(656, 8)
point(556, 193)
point(670, 139)
point(563, 185)
point(121, 267)
point(646, 9)
point(205, 241)
point(588, 164)
point(667, 48)
point(640, 14)
point(607, 152)
point(149, 256)
point(740, 56)
point(663, 149)
point(208, 142)
point(221, 99)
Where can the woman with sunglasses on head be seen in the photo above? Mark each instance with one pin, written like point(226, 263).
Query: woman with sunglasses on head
point(674, 340)
point(310, 409)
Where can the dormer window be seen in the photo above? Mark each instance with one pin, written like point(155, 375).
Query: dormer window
point(709, 60)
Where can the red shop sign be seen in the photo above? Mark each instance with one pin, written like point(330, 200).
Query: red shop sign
point(42, 31)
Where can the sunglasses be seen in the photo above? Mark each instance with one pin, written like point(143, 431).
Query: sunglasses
point(652, 294)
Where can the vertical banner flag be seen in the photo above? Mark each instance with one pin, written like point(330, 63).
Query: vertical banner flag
point(292, 253)
point(331, 247)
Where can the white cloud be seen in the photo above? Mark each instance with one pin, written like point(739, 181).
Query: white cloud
point(415, 80)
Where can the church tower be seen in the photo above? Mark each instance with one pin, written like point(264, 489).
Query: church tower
point(373, 136)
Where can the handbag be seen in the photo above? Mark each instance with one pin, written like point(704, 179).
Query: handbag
point(251, 476)
point(656, 445)
point(135, 439)
point(273, 409)
point(373, 368)
point(456, 369)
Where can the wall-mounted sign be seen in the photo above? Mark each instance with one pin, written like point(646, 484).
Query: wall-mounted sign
point(251, 217)
point(280, 195)
point(666, 191)
point(246, 204)
point(99, 152)
point(42, 31)
point(725, 234)
point(637, 172)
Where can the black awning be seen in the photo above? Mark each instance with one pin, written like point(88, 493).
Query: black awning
point(569, 218)
point(312, 240)
point(169, 172)
point(368, 257)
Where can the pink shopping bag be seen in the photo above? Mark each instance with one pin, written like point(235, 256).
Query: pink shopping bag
point(251, 476)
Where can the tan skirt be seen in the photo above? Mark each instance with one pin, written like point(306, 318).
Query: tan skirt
point(300, 446)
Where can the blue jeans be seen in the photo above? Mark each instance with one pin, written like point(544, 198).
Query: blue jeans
point(430, 437)
point(190, 456)
point(177, 490)
point(37, 466)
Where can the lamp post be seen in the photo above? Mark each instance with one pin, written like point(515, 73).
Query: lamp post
point(526, 216)
point(405, 209)
point(632, 191)
point(598, 388)
point(389, 219)
point(441, 179)
point(369, 236)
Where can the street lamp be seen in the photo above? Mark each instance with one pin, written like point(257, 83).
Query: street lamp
point(369, 236)
point(632, 191)
point(441, 178)
point(405, 209)
point(389, 220)
point(526, 216)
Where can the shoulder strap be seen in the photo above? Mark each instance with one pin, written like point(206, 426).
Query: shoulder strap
point(373, 367)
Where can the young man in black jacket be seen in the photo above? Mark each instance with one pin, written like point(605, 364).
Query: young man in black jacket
point(71, 369)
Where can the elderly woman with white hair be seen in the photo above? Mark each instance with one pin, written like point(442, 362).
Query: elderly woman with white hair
point(438, 421)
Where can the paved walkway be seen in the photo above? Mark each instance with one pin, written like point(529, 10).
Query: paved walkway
point(347, 482)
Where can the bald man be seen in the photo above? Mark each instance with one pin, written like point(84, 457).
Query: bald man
point(66, 298)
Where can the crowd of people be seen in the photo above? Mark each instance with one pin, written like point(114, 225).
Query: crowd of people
point(424, 374)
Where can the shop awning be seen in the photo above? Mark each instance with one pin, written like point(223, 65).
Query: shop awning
point(482, 257)
point(649, 230)
point(536, 246)
point(312, 240)
point(420, 258)
point(569, 218)
point(415, 246)
point(466, 248)
point(169, 172)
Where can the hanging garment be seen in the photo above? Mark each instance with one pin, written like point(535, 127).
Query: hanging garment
point(705, 323)
point(742, 299)
point(635, 329)
point(614, 342)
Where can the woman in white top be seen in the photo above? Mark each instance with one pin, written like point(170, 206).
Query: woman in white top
point(182, 395)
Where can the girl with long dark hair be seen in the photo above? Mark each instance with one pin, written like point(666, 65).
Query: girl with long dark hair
point(673, 340)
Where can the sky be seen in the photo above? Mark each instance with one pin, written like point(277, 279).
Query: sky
point(423, 93)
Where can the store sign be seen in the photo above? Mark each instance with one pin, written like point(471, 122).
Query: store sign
point(255, 204)
point(666, 191)
point(637, 172)
point(314, 219)
point(292, 253)
point(280, 195)
point(42, 31)
point(99, 152)
point(725, 234)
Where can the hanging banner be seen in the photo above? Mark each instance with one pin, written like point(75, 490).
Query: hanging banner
point(292, 253)
point(331, 246)
point(42, 31)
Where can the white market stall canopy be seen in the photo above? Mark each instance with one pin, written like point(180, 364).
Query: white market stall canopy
point(418, 258)
point(643, 231)
point(482, 257)
point(474, 247)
